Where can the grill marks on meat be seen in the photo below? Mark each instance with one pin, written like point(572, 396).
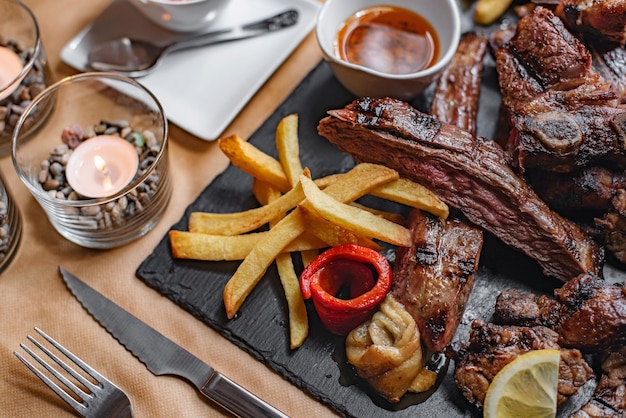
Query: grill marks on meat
point(588, 313)
point(456, 94)
point(467, 172)
point(434, 277)
point(491, 347)
point(609, 397)
point(564, 116)
point(605, 19)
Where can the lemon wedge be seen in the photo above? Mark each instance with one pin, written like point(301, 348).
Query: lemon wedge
point(526, 387)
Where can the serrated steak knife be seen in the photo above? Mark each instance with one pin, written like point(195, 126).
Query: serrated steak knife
point(164, 357)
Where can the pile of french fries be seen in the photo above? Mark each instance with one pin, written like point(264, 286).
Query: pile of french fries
point(304, 216)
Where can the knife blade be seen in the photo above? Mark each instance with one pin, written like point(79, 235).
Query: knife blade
point(162, 356)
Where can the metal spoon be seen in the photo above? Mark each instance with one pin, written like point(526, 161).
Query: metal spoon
point(136, 58)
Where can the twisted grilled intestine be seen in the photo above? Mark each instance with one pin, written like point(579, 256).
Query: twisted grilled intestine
point(387, 352)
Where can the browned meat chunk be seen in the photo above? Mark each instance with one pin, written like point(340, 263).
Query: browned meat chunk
point(609, 398)
point(458, 88)
point(613, 224)
point(588, 314)
point(564, 116)
point(491, 347)
point(467, 172)
point(589, 191)
point(605, 19)
point(433, 278)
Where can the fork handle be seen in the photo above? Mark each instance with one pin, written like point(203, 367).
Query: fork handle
point(236, 399)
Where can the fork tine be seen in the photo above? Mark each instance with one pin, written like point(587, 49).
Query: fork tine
point(80, 363)
point(70, 385)
point(79, 407)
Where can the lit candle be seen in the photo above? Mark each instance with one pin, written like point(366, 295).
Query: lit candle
point(10, 68)
point(101, 166)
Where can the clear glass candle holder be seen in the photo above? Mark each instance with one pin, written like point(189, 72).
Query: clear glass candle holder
point(10, 227)
point(24, 69)
point(96, 118)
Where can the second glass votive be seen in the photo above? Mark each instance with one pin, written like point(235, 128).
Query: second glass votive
point(24, 69)
point(10, 226)
point(98, 165)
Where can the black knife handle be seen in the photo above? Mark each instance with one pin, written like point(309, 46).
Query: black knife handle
point(236, 399)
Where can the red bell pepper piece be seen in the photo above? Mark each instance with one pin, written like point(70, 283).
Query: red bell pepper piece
point(366, 272)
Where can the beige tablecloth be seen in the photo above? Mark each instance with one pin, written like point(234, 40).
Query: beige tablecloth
point(33, 294)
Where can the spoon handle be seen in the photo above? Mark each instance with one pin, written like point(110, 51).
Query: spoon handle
point(282, 20)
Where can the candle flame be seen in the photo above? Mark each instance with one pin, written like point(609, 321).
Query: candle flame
point(102, 166)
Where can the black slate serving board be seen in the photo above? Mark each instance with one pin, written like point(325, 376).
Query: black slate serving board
point(261, 327)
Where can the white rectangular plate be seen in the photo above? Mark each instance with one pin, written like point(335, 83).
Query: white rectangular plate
point(202, 90)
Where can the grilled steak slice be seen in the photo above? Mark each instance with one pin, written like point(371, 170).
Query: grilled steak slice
point(467, 172)
point(433, 278)
point(609, 397)
point(458, 87)
point(588, 314)
point(604, 19)
point(491, 347)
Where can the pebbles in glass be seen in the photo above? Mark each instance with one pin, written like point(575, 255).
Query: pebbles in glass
point(10, 227)
point(19, 32)
point(86, 106)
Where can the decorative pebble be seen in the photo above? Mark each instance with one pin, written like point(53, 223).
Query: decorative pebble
point(14, 105)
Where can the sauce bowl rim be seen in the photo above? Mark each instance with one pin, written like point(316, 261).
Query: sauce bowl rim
point(443, 60)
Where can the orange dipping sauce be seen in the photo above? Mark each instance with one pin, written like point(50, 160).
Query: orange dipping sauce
point(389, 39)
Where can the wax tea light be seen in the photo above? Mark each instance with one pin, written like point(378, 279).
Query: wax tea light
point(10, 69)
point(102, 166)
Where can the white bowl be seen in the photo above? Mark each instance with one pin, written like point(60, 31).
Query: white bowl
point(180, 15)
point(361, 81)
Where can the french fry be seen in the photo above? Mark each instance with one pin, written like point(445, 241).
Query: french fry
point(487, 11)
point(401, 191)
point(254, 161)
point(288, 147)
point(246, 221)
point(207, 247)
point(332, 233)
point(390, 216)
point(256, 263)
point(412, 194)
point(298, 318)
point(352, 218)
point(354, 184)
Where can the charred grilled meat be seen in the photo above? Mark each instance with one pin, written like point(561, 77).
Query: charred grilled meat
point(614, 225)
point(433, 278)
point(582, 194)
point(609, 398)
point(588, 313)
point(491, 347)
point(456, 94)
point(467, 172)
point(563, 115)
point(605, 19)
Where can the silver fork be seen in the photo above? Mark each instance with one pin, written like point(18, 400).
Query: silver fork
point(102, 399)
